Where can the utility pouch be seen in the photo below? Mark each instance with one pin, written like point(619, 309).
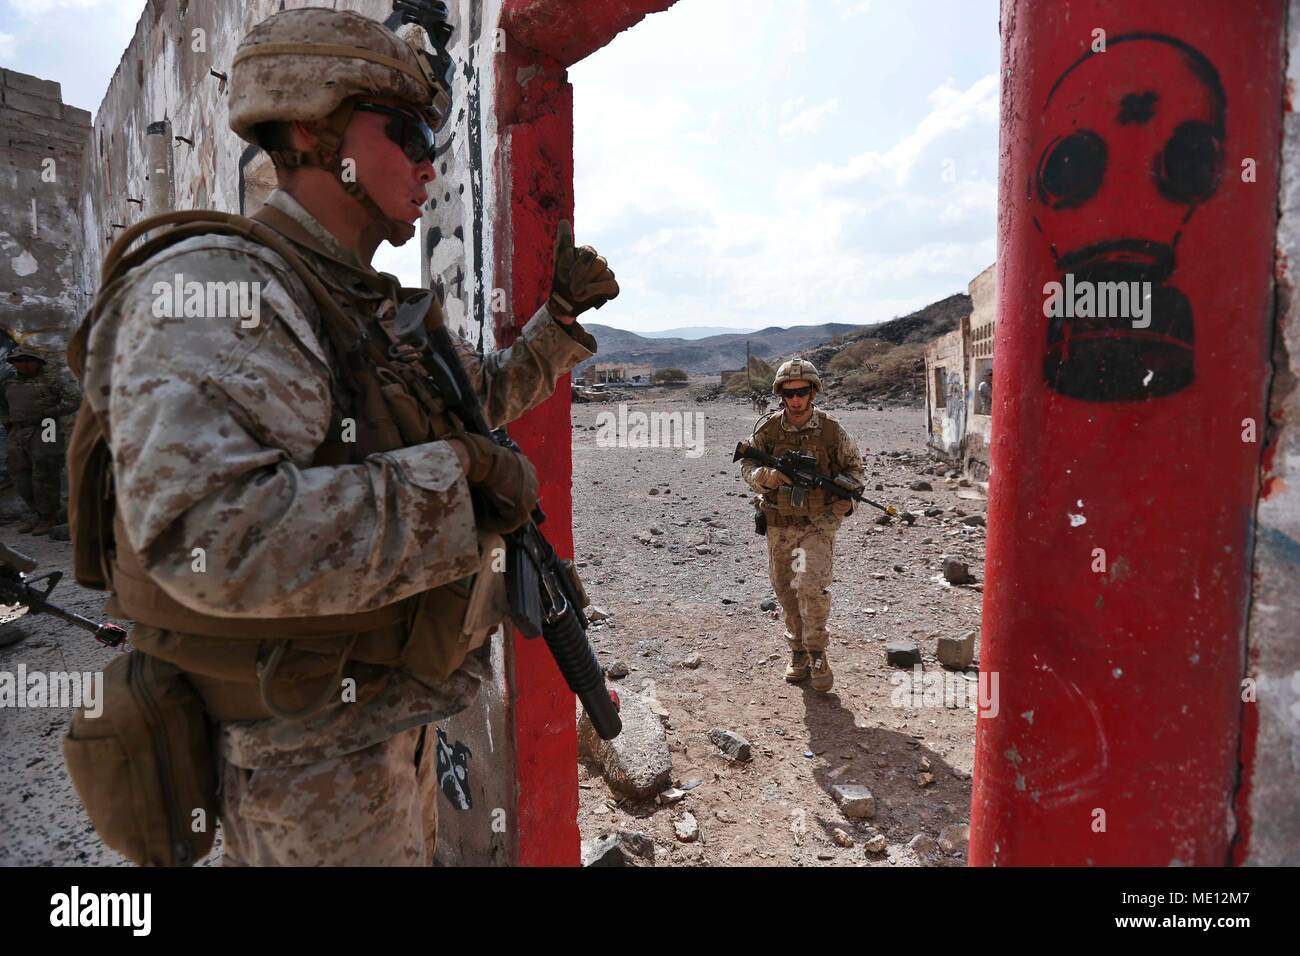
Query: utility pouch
point(449, 622)
point(760, 522)
point(145, 768)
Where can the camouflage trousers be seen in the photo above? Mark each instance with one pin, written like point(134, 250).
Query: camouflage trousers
point(36, 469)
point(374, 807)
point(799, 559)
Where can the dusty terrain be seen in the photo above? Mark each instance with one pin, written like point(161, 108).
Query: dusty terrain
point(666, 603)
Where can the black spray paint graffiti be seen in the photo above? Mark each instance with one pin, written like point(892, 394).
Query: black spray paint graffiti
point(453, 772)
point(1135, 145)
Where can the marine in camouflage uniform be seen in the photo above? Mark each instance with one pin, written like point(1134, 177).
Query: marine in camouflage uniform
point(801, 539)
point(34, 407)
point(217, 429)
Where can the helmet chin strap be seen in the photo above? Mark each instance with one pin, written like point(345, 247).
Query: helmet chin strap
point(328, 156)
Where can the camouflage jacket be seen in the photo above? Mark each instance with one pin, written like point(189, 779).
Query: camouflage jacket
point(50, 393)
point(214, 423)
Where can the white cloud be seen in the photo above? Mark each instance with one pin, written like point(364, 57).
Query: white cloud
point(853, 8)
point(805, 120)
point(7, 44)
point(951, 109)
point(716, 211)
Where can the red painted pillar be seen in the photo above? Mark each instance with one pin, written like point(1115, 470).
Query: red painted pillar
point(1122, 491)
point(534, 106)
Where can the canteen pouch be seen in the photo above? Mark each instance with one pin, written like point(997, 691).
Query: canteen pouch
point(145, 768)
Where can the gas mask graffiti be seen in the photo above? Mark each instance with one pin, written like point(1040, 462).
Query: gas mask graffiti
point(1134, 145)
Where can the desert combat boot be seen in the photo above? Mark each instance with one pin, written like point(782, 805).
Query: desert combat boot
point(797, 669)
point(822, 677)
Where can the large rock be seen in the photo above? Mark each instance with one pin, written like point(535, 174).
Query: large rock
point(856, 801)
point(954, 837)
point(624, 848)
point(636, 763)
point(902, 654)
point(732, 744)
point(956, 571)
point(922, 844)
point(687, 829)
point(957, 652)
point(920, 484)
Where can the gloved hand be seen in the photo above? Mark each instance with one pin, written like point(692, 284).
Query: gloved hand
point(505, 481)
point(582, 279)
point(841, 507)
point(771, 478)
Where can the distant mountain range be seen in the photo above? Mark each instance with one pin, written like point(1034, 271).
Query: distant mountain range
point(714, 353)
point(695, 332)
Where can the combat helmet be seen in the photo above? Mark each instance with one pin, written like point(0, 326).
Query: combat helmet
point(21, 352)
point(314, 63)
point(794, 370)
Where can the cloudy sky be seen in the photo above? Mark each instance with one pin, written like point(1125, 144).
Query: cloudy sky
point(741, 163)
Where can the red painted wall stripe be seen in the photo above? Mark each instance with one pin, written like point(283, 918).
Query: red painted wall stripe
point(535, 183)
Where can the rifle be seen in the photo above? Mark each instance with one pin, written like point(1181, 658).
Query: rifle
point(803, 474)
point(17, 588)
point(545, 594)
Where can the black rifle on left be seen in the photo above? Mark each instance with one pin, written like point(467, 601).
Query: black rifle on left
point(545, 595)
point(17, 588)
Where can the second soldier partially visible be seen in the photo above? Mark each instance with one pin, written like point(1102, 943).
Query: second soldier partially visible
point(35, 406)
point(801, 538)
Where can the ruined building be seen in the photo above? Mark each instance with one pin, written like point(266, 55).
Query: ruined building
point(959, 382)
point(41, 197)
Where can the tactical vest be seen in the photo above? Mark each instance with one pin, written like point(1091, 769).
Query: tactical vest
point(777, 505)
point(249, 668)
point(31, 400)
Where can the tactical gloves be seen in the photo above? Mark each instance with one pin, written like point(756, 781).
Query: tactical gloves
point(582, 279)
point(770, 478)
point(504, 481)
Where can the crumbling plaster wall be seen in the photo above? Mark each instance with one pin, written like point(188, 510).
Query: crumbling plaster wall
point(1268, 810)
point(40, 209)
point(978, 439)
point(946, 421)
point(174, 71)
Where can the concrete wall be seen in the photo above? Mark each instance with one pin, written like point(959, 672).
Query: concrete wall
point(979, 421)
point(946, 422)
point(41, 292)
point(1268, 810)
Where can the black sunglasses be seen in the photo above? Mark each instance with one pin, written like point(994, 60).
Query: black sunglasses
point(408, 131)
point(796, 392)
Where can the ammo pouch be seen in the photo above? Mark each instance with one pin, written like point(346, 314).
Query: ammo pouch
point(760, 521)
point(145, 769)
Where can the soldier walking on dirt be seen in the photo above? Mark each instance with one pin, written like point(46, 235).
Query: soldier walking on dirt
point(801, 538)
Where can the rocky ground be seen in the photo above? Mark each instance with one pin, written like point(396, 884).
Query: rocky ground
point(669, 554)
point(667, 550)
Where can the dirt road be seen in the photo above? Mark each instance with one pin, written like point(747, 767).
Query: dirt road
point(641, 517)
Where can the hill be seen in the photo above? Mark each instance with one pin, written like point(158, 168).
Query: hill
point(712, 353)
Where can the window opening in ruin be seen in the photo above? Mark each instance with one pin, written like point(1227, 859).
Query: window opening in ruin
point(940, 387)
point(983, 386)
